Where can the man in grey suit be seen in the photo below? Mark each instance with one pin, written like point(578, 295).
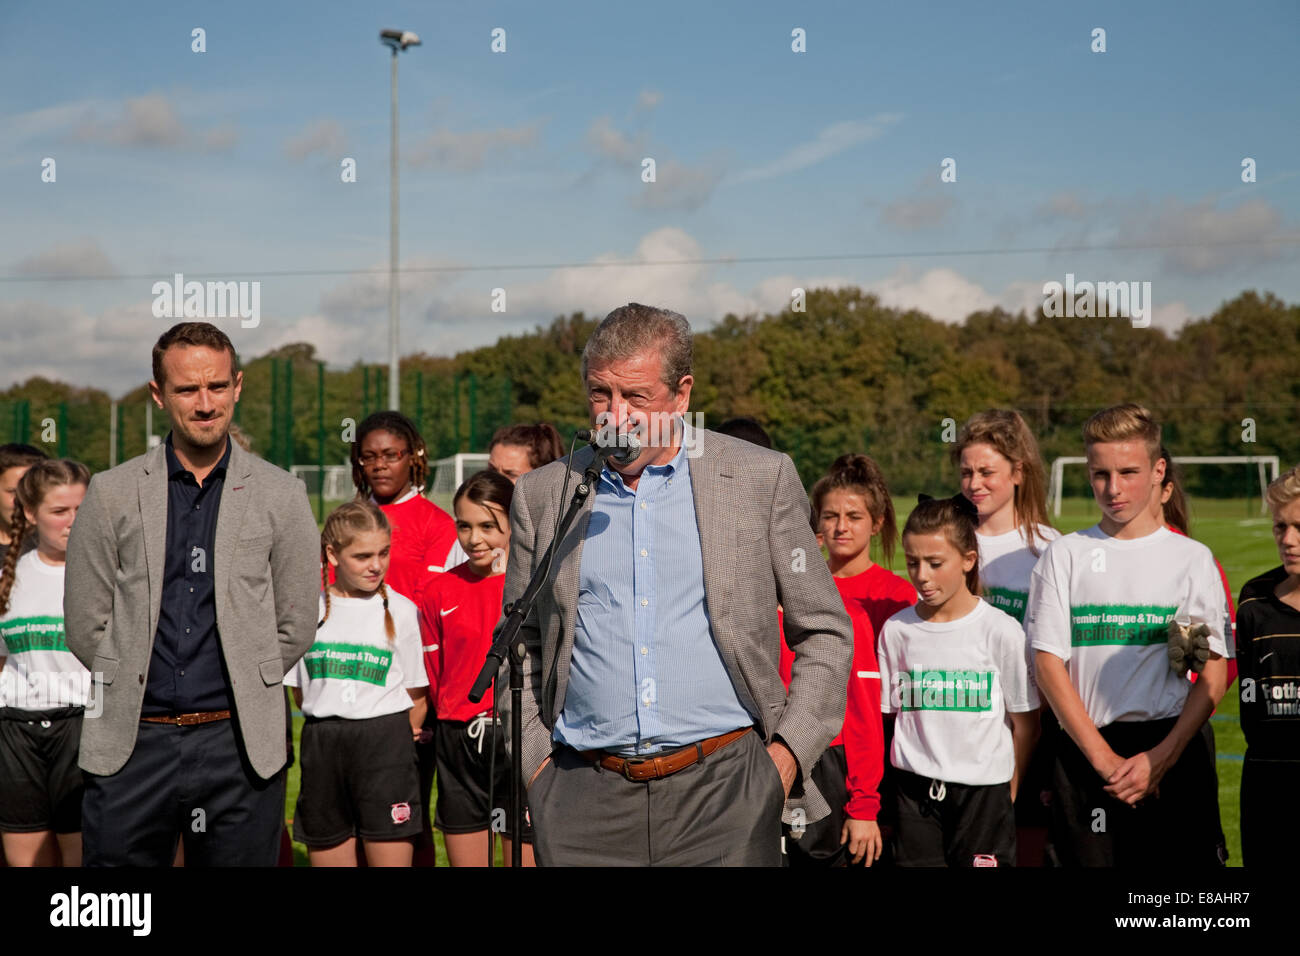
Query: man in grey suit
point(657, 730)
point(192, 581)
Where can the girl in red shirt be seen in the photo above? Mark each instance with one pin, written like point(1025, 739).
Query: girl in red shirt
point(850, 506)
point(390, 467)
point(458, 612)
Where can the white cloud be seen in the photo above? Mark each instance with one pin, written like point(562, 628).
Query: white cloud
point(1228, 234)
point(79, 257)
point(648, 99)
point(830, 140)
point(323, 136)
point(470, 150)
point(150, 121)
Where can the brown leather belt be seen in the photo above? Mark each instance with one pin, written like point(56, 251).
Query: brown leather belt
point(662, 765)
point(189, 720)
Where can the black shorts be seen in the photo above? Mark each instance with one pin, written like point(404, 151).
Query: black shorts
point(818, 843)
point(359, 778)
point(1270, 827)
point(1178, 827)
point(952, 824)
point(40, 783)
point(464, 754)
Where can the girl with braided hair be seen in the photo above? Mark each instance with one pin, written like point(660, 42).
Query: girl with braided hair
point(363, 690)
point(44, 689)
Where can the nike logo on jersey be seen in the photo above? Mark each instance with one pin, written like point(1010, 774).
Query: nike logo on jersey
point(448, 611)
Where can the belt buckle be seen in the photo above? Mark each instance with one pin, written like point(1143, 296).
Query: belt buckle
point(627, 766)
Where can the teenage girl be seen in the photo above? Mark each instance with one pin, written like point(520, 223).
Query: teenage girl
point(363, 691)
point(518, 449)
point(1002, 474)
point(14, 461)
point(390, 467)
point(459, 611)
point(850, 507)
point(955, 670)
point(45, 687)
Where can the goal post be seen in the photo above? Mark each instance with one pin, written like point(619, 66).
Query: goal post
point(1263, 462)
point(446, 475)
point(335, 481)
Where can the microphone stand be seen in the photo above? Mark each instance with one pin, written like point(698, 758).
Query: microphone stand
point(506, 647)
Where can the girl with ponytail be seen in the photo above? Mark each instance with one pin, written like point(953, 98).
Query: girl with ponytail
point(850, 507)
point(955, 670)
point(363, 691)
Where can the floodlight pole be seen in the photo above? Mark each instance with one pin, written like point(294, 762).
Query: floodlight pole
point(395, 40)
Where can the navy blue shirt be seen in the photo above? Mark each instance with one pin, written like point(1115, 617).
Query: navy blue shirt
point(186, 671)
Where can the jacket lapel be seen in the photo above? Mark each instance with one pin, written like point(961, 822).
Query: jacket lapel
point(151, 486)
point(235, 495)
point(711, 474)
point(568, 561)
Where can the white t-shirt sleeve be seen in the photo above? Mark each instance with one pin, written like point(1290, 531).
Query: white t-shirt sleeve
point(296, 677)
point(1015, 668)
point(1207, 603)
point(1047, 615)
point(887, 669)
point(410, 650)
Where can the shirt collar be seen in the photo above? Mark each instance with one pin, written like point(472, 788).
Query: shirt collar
point(174, 466)
point(413, 493)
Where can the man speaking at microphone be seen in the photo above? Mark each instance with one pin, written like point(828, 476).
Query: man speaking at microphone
point(656, 729)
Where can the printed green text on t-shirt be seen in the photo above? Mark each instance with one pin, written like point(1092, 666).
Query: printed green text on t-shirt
point(1139, 625)
point(928, 689)
point(33, 634)
point(361, 662)
point(1005, 599)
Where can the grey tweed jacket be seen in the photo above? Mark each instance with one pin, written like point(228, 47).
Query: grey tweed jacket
point(266, 565)
point(758, 551)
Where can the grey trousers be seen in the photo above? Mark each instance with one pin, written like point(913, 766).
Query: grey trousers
point(723, 811)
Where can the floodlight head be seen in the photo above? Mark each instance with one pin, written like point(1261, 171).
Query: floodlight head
point(398, 39)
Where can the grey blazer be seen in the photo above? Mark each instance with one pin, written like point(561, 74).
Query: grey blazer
point(758, 551)
point(267, 575)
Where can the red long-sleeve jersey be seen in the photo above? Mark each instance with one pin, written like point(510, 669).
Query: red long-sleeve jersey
point(871, 598)
point(458, 611)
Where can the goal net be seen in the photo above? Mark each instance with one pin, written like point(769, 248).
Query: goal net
point(1262, 462)
point(334, 480)
point(448, 473)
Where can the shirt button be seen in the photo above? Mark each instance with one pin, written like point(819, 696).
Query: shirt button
point(191, 590)
point(644, 602)
point(644, 552)
point(645, 650)
point(187, 630)
point(643, 506)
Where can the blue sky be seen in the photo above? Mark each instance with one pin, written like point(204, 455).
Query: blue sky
point(226, 164)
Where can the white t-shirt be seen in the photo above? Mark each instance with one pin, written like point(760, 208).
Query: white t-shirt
point(1005, 565)
point(952, 685)
point(1103, 606)
point(40, 673)
point(352, 670)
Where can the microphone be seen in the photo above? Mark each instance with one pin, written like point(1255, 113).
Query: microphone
point(622, 450)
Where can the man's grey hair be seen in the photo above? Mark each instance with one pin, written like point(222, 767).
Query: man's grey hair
point(633, 328)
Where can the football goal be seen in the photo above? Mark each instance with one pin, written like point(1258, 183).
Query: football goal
point(1262, 462)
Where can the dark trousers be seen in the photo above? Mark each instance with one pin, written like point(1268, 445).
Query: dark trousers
point(723, 811)
point(1178, 827)
point(188, 783)
point(1270, 826)
point(818, 844)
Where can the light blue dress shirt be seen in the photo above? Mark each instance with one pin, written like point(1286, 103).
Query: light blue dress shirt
point(645, 674)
